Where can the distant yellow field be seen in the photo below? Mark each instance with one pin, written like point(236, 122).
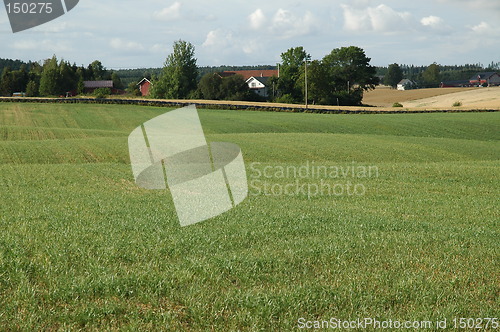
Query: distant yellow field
point(477, 98)
point(384, 96)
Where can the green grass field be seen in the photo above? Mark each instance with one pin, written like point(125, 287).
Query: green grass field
point(82, 247)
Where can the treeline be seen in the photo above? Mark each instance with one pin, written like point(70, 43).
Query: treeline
point(135, 75)
point(433, 74)
point(52, 77)
point(340, 78)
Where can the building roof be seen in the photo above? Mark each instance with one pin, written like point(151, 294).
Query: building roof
point(456, 82)
point(405, 81)
point(262, 80)
point(251, 73)
point(98, 84)
point(144, 80)
point(483, 76)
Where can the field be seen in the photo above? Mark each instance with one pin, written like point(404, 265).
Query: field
point(82, 247)
point(435, 98)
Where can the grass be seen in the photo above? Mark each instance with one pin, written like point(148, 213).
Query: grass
point(82, 247)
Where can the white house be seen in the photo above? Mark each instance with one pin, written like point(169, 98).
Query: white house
point(406, 84)
point(259, 85)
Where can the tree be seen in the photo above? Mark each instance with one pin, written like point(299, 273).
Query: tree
point(318, 86)
point(210, 86)
point(350, 67)
point(32, 89)
point(49, 78)
point(6, 82)
point(133, 89)
point(179, 75)
point(20, 79)
point(80, 86)
point(340, 77)
point(98, 71)
point(431, 76)
point(68, 79)
point(235, 88)
point(213, 87)
point(117, 81)
point(394, 75)
point(290, 83)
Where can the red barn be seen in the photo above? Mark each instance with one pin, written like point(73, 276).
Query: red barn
point(144, 86)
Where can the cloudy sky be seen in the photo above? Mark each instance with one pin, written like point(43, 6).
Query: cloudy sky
point(135, 34)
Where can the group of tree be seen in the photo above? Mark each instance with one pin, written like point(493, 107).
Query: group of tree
point(179, 79)
point(431, 76)
point(52, 77)
point(340, 78)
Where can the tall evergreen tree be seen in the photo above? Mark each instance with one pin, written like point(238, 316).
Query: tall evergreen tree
point(6, 83)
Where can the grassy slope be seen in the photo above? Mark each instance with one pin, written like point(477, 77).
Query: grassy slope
point(82, 246)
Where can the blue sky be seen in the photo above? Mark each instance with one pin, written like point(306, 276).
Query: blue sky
point(134, 34)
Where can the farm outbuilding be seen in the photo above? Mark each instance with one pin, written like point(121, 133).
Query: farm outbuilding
point(144, 86)
point(90, 86)
point(406, 84)
point(490, 78)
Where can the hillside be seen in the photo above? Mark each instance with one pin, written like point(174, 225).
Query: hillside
point(82, 247)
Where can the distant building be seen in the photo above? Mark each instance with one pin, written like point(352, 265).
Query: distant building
point(251, 73)
point(144, 86)
point(490, 78)
point(257, 80)
point(259, 85)
point(455, 84)
point(91, 86)
point(406, 84)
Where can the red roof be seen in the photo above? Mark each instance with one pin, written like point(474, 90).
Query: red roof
point(251, 73)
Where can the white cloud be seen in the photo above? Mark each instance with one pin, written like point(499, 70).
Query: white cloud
point(122, 45)
point(218, 39)
point(284, 24)
point(476, 4)
point(380, 19)
point(257, 19)
point(159, 48)
point(432, 21)
point(224, 42)
point(481, 28)
point(170, 13)
point(436, 24)
point(41, 45)
point(287, 25)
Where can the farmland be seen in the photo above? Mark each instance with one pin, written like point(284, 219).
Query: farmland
point(435, 98)
point(82, 247)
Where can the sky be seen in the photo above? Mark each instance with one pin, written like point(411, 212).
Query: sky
point(140, 34)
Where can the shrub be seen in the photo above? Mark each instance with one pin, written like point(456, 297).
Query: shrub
point(397, 105)
point(457, 104)
point(101, 93)
point(285, 99)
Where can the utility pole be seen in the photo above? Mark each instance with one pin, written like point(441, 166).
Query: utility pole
point(306, 79)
